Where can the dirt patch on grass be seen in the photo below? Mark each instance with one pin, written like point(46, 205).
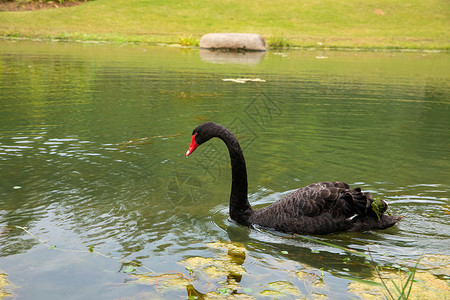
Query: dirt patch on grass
point(35, 5)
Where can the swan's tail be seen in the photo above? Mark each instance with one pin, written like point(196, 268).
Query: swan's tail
point(375, 217)
point(371, 212)
point(369, 223)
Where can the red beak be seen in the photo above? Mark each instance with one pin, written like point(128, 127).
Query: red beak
point(193, 146)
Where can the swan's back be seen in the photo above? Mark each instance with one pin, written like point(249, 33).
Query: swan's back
point(322, 208)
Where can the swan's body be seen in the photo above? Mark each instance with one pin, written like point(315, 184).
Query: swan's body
point(318, 208)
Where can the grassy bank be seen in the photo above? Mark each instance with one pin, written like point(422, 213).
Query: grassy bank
point(387, 24)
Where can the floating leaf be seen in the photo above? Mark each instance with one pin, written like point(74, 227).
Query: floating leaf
point(243, 80)
point(284, 252)
point(129, 269)
point(224, 291)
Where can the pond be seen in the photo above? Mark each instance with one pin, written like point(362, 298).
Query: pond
point(97, 198)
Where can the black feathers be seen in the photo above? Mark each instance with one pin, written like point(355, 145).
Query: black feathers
point(322, 208)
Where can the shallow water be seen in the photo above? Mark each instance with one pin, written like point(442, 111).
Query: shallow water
point(92, 163)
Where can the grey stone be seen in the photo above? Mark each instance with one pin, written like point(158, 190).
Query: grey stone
point(233, 41)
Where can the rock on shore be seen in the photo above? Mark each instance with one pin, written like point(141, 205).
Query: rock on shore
point(233, 41)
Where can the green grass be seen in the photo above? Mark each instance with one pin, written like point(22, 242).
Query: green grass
point(413, 24)
point(278, 42)
point(188, 40)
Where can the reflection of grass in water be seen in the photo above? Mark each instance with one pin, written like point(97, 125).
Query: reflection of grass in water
point(222, 275)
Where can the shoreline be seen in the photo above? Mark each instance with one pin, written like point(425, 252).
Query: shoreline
point(166, 43)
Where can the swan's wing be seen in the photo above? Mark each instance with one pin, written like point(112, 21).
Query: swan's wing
point(334, 198)
point(322, 208)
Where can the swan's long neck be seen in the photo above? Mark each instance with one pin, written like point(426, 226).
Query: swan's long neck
point(240, 209)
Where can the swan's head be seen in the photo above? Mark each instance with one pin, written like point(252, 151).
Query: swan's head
point(203, 133)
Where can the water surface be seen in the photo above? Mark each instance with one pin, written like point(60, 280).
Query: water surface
point(92, 164)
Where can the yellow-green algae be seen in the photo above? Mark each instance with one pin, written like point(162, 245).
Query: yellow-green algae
point(281, 288)
point(3, 284)
point(219, 278)
point(426, 283)
point(225, 265)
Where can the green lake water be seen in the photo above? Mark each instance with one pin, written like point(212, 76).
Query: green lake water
point(92, 164)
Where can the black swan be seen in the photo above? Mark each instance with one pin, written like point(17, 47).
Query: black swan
point(318, 208)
